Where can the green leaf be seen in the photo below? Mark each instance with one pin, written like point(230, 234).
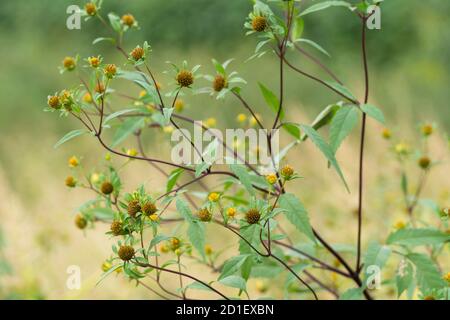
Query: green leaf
point(325, 148)
point(158, 239)
point(70, 136)
point(251, 234)
point(373, 112)
point(101, 39)
point(297, 28)
point(244, 177)
point(115, 22)
point(118, 114)
point(197, 286)
point(314, 45)
point(104, 214)
point(219, 68)
point(323, 118)
point(127, 128)
point(427, 274)
point(173, 178)
point(107, 273)
point(234, 282)
point(325, 5)
point(376, 255)
point(417, 237)
point(404, 278)
point(342, 125)
point(352, 294)
point(296, 214)
point(341, 89)
point(232, 265)
point(293, 130)
point(271, 100)
point(196, 229)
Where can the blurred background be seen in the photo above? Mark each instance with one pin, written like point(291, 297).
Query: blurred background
point(409, 60)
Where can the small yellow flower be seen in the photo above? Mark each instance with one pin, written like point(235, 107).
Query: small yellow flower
point(402, 148)
point(137, 53)
point(213, 197)
point(386, 133)
point(164, 248)
point(71, 182)
point(69, 63)
point(175, 242)
point(94, 61)
point(87, 97)
point(253, 120)
point(287, 171)
point(179, 105)
point(95, 177)
point(132, 152)
point(211, 122)
point(208, 249)
point(106, 266)
point(399, 224)
point(231, 212)
point(53, 102)
point(271, 178)
point(154, 217)
point(427, 129)
point(178, 252)
point(128, 20)
point(261, 286)
point(168, 129)
point(108, 156)
point(91, 9)
point(110, 71)
point(446, 277)
point(241, 118)
point(73, 162)
point(142, 94)
point(119, 270)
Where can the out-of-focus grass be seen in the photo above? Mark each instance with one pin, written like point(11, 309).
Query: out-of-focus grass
point(409, 82)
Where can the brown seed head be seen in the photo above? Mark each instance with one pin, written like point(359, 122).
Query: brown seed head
point(99, 87)
point(149, 208)
point(287, 171)
point(80, 221)
point(133, 208)
point(185, 78)
point(137, 53)
point(427, 130)
point(110, 71)
point(116, 227)
point(259, 24)
point(70, 182)
point(424, 162)
point(126, 253)
point(204, 215)
point(91, 9)
point(252, 216)
point(128, 20)
point(219, 83)
point(53, 102)
point(107, 188)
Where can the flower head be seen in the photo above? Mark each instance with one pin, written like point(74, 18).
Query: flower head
point(231, 212)
point(179, 105)
point(427, 129)
point(91, 9)
point(73, 162)
point(99, 87)
point(252, 216)
point(219, 83)
point(70, 182)
point(185, 78)
point(386, 133)
point(53, 102)
point(208, 249)
point(241, 118)
point(107, 188)
point(126, 253)
point(133, 208)
point(94, 62)
point(271, 178)
point(128, 20)
point(80, 221)
point(259, 24)
point(137, 53)
point(424, 162)
point(287, 171)
point(149, 208)
point(87, 97)
point(213, 197)
point(110, 71)
point(116, 227)
point(204, 215)
point(69, 63)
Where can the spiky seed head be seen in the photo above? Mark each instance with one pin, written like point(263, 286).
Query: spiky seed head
point(424, 162)
point(110, 71)
point(137, 53)
point(219, 83)
point(208, 249)
point(53, 102)
point(133, 208)
point(91, 9)
point(271, 178)
point(69, 63)
point(126, 253)
point(259, 23)
point(287, 171)
point(94, 61)
point(116, 227)
point(107, 188)
point(386, 133)
point(427, 130)
point(128, 20)
point(204, 215)
point(185, 78)
point(252, 216)
point(231, 212)
point(99, 87)
point(80, 222)
point(71, 182)
point(213, 197)
point(149, 208)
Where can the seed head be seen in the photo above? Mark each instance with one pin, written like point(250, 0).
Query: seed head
point(213, 197)
point(91, 9)
point(427, 130)
point(53, 102)
point(252, 216)
point(287, 171)
point(175, 243)
point(126, 253)
point(259, 24)
point(69, 63)
point(116, 227)
point(80, 221)
point(231, 212)
point(99, 87)
point(73, 162)
point(219, 83)
point(133, 208)
point(110, 71)
point(128, 20)
point(137, 53)
point(386, 133)
point(208, 249)
point(185, 78)
point(149, 208)
point(424, 162)
point(107, 188)
point(94, 61)
point(204, 215)
point(271, 178)
point(71, 182)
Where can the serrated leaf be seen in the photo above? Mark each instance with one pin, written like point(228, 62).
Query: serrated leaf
point(69, 136)
point(244, 177)
point(417, 237)
point(232, 265)
point(271, 100)
point(341, 89)
point(118, 114)
point(173, 178)
point(296, 214)
point(127, 128)
point(251, 234)
point(427, 274)
point(404, 278)
point(326, 150)
point(234, 282)
point(352, 294)
point(342, 125)
point(376, 255)
point(373, 112)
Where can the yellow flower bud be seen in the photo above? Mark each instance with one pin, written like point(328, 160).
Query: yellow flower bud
point(73, 162)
